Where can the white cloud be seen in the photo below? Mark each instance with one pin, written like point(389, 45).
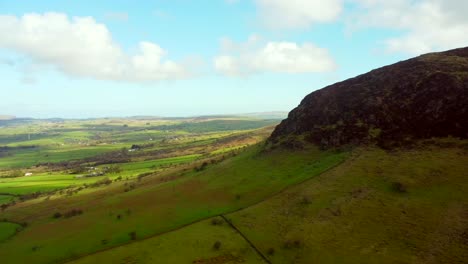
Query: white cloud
point(81, 47)
point(428, 25)
point(294, 14)
point(256, 56)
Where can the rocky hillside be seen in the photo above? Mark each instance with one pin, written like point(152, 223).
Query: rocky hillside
point(422, 97)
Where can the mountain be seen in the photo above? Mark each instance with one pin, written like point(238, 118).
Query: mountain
point(423, 97)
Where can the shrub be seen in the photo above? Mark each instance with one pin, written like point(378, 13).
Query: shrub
point(271, 251)
point(399, 187)
point(113, 169)
point(290, 244)
point(57, 215)
point(72, 213)
point(105, 181)
point(202, 167)
point(305, 200)
point(216, 221)
point(78, 170)
point(4, 206)
point(217, 245)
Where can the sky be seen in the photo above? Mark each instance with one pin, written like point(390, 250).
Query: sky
point(81, 59)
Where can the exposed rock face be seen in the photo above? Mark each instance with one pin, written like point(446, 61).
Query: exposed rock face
point(419, 98)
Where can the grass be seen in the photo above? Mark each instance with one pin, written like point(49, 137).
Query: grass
point(44, 182)
point(192, 243)
point(156, 205)
point(301, 206)
point(7, 230)
point(62, 142)
point(5, 198)
point(353, 213)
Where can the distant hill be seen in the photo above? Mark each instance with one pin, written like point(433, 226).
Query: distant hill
point(6, 117)
point(422, 97)
point(267, 115)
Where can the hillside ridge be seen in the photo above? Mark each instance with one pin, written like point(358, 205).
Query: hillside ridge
point(423, 97)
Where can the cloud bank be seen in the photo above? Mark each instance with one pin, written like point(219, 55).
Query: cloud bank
point(427, 25)
point(81, 47)
point(257, 56)
point(297, 14)
point(424, 25)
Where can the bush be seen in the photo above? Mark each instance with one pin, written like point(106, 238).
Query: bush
point(202, 167)
point(57, 215)
point(399, 187)
point(105, 181)
point(271, 251)
point(4, 206)
point(217, 245)
point(72, 213)
point(305, 200)
point(216, 221)
point(78, 170)
point(113, 169)
point(290, 244)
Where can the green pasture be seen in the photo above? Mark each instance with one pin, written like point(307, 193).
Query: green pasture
point(7, 230)
point(191, 243)
point(4, 198)
point(355, 214)
point(155, 206)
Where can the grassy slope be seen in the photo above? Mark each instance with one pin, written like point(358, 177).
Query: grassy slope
point(191, 243)
point(5, 198)
point(156, 206)
point(7, 230)
point(352, 214)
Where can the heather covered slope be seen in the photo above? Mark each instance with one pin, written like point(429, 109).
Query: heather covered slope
point(419, 98)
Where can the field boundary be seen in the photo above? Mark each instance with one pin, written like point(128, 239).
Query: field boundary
point(246, 239)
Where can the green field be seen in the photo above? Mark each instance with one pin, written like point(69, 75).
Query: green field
point(193, 243)
point(8, 230)
point(352, 213)
point(52, 150)
point(157, 206)
point(356, 214)
point(145, 201)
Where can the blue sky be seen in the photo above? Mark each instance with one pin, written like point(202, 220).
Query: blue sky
point(198, 57)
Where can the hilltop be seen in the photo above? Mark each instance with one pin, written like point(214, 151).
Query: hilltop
point(419, 98)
